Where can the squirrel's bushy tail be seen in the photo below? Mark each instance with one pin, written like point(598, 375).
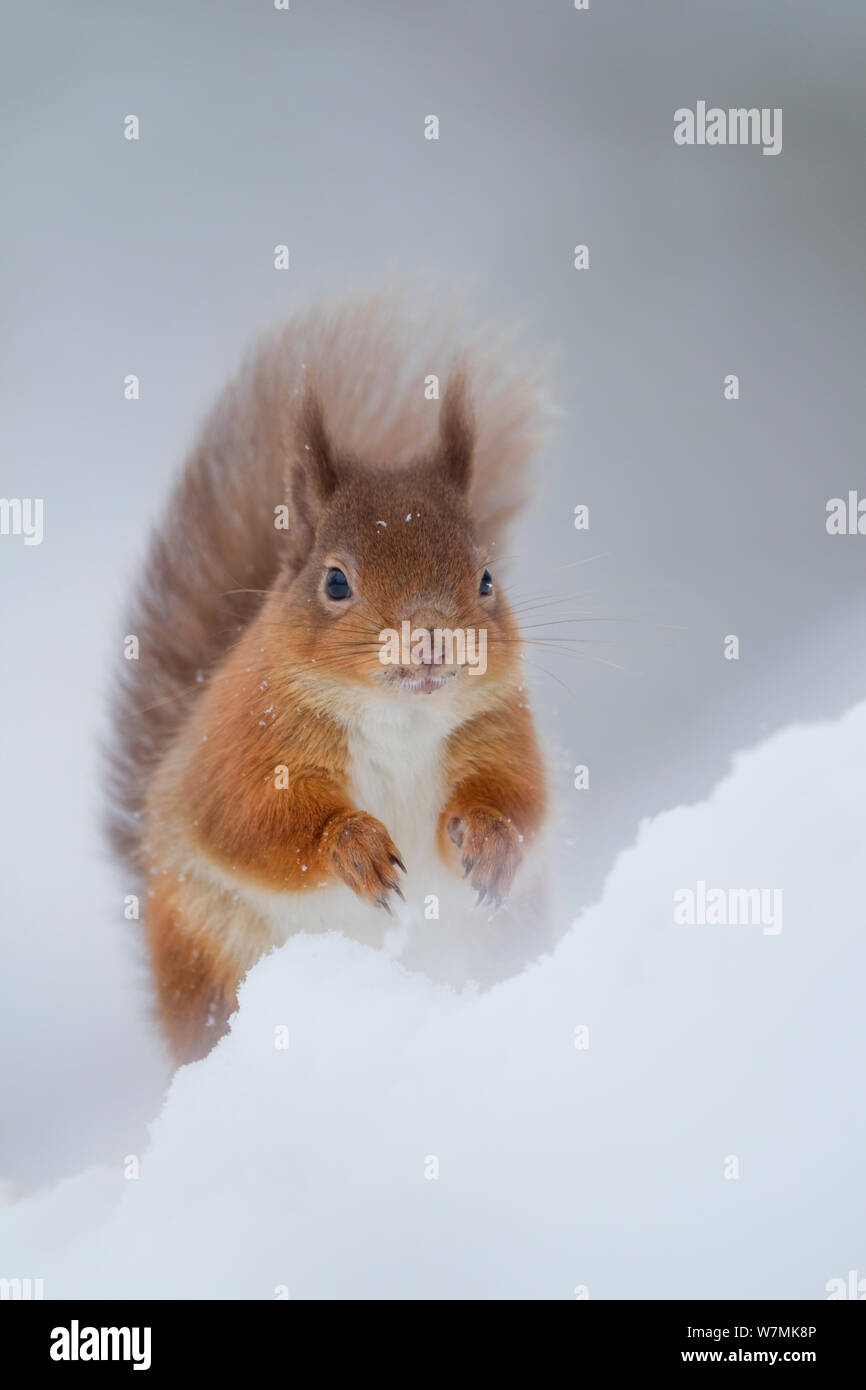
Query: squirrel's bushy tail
point(216, 548)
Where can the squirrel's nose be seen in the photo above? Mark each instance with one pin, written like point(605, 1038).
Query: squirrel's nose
point(428, 620)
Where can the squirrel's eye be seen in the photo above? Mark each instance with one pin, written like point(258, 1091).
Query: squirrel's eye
point(337, 585)
point(486, 586)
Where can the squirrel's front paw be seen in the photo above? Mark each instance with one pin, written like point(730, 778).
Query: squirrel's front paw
point(360, 850)
point(490, 852)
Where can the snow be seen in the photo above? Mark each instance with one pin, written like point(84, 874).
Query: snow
point(411, 1142)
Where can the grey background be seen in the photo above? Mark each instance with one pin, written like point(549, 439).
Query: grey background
point(707, 517)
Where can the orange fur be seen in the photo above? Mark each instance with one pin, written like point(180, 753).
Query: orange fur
point(240, 743)
point(196, 989)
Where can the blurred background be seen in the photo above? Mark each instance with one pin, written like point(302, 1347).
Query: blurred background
point(306, 127)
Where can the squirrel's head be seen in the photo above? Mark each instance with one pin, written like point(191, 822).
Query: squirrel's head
point(389, 586)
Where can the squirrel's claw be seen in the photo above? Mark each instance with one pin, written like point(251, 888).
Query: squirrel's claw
point(492, 853)
point(363, 854)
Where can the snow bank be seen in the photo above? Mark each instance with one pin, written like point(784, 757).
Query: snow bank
point(410, 1142)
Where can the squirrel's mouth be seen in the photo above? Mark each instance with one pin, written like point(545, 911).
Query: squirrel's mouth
point(419, 680)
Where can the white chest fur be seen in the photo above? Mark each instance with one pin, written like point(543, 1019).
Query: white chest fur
point(395, 772)
point(396, 756)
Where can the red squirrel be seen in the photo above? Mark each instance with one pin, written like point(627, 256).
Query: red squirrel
point(272, 773)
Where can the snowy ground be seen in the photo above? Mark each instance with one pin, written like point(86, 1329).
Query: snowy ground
point(410, 1142)
point(558, 1166)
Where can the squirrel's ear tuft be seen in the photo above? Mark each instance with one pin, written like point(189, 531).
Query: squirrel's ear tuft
point(456, 431)
point(315, 456)
point(312, 473)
